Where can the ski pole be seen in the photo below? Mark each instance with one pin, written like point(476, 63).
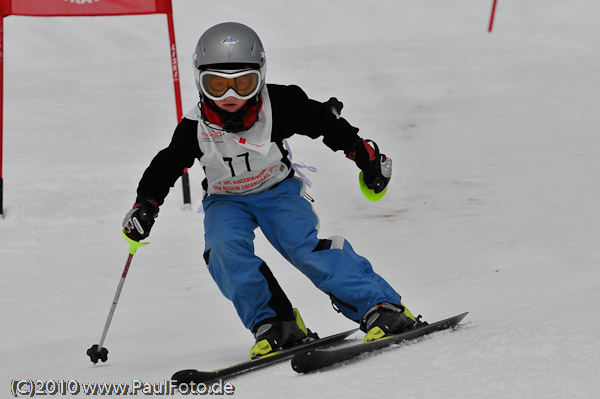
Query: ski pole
point(335, 106)
point(98, 351)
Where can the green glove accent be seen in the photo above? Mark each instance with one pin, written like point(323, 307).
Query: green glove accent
point(369, 194)
point(133, 244)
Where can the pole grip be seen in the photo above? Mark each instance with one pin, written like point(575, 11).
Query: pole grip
point(335, 106)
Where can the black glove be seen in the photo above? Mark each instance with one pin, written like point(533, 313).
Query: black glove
point(376, 167)
point(139, 220)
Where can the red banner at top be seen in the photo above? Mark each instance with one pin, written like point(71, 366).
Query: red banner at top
point(81, 8)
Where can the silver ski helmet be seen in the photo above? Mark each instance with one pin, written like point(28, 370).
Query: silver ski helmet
point(229, 47)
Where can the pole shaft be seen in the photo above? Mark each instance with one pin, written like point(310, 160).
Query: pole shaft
point(491, 25)
point(115, 301)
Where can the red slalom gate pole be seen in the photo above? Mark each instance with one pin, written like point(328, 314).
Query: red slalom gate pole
point(174, 66)
point(491, 26)
point(1, 111)
point(185, 178)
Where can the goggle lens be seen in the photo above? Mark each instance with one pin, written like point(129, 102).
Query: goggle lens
point(216, 85)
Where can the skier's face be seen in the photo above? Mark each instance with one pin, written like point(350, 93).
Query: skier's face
point(230, 104)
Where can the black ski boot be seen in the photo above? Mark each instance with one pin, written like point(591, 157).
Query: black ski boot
point(276, 335)
point(387, 319)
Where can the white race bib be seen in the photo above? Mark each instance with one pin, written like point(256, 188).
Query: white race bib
point(241, 163)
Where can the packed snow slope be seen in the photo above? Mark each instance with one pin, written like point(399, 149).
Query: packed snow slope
point(493, 206)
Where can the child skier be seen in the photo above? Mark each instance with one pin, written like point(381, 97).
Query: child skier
point(236, 132)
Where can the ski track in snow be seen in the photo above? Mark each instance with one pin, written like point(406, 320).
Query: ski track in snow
point(492, 207)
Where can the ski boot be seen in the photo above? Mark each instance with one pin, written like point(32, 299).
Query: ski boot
point(386, 319)
point(276, 335)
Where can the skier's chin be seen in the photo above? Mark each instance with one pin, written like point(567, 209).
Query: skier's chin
point(230, 104)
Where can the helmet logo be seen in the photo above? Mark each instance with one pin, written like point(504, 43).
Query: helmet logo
point(229, 40)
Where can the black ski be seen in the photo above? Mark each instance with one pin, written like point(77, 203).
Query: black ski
point(317, 358)
point(197, 376)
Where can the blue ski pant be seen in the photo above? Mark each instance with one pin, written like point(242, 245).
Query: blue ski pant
point(289, 222)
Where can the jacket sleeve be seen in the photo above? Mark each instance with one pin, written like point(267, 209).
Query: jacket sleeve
point(168, 165)
point(295, 113)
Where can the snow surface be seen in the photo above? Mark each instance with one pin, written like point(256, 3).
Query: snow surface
point(492, 209)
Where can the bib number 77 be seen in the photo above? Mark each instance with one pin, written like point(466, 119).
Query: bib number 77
point(229, 161)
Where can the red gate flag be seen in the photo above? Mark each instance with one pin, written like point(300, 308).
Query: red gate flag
point(89, 8)
point(81, 8)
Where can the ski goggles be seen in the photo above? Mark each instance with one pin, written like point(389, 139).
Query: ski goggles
point(218, 85)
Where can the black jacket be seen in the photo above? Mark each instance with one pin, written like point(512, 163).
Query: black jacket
point(293, 113)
